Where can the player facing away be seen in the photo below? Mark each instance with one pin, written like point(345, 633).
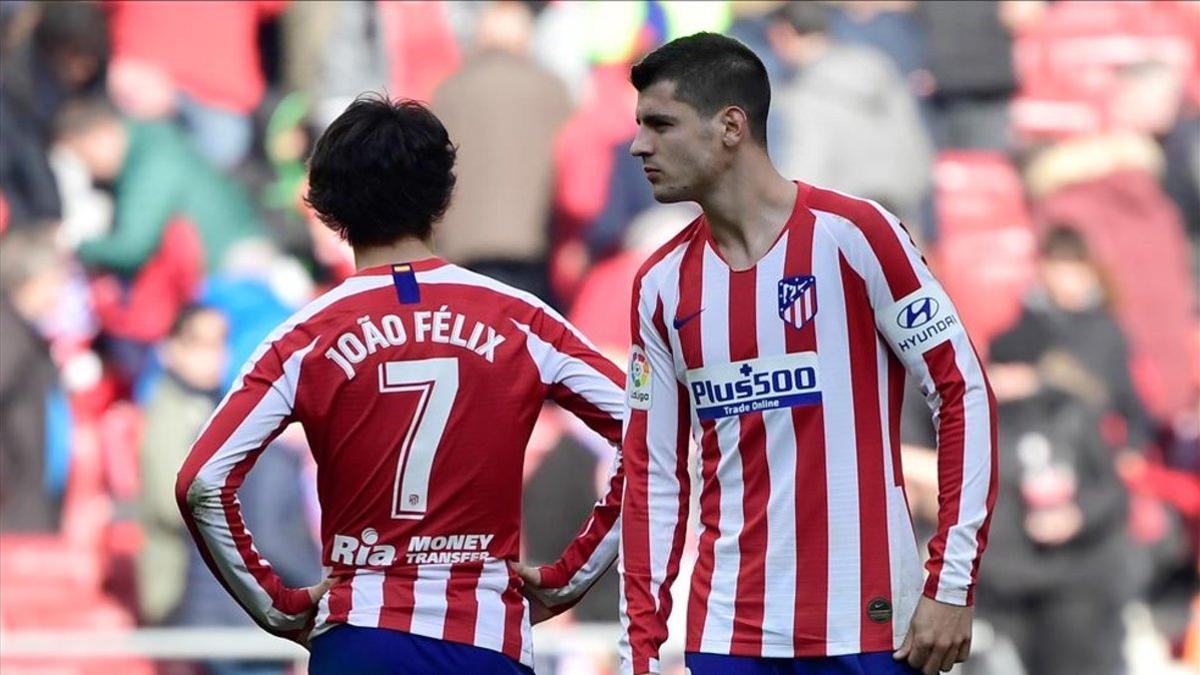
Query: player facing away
point(417, 384)
point(777, 329)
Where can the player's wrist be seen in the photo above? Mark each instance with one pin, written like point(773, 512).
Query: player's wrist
point(956, 597)
point(552, 576)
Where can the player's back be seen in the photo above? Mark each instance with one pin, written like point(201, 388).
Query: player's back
point(418, 386)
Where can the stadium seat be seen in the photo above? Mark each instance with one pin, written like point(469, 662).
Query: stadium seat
point(986, 243)
point(1067, 64)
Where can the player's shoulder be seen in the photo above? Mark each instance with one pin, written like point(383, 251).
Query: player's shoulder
point(350, 295)
point(484, 291)
point(667, 256)
point(862, 214)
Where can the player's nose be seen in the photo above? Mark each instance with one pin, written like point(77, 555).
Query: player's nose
point(641, 145)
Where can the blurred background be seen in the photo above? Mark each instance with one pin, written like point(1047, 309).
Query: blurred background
point(1046, 154)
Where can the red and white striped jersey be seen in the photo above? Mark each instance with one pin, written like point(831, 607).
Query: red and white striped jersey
point(789, 376)
point(417, 386)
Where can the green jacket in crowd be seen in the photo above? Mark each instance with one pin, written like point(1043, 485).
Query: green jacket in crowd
point(162, 178)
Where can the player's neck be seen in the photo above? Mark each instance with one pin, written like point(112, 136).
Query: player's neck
point(747, 210)
point(404, 250)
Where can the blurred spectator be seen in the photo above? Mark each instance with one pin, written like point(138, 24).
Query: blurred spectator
point(63, 55)
point(889, 26)
point(628, 195)
point(1071, 307)
point(32, 279)
point(588, 150)
point(193, 358)
point(48, 53)
point(1056, 576)
point(502, 110)
point(850, 122)
point(156, 176)
point(405, 48)
point(287, 144)
point(199, 59)
point(174, 585)
point(1105, 187)
point(971, 64)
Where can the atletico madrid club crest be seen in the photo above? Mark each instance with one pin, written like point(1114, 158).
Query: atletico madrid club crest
point(797, 300)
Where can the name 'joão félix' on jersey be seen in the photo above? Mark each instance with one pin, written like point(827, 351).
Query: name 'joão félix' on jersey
point(441, 326)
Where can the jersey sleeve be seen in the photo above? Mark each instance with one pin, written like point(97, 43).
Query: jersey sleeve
point(587, 385)
point(922, 328)
point(250, 417)
point(654, 510)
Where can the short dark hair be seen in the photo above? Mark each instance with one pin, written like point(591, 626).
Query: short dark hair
point(383, 171)
point(1063, 242)
point(79, 27)
point(806, 18)
point(183, 320)
point(711, 71)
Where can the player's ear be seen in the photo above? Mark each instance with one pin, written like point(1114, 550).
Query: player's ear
point(734, 126)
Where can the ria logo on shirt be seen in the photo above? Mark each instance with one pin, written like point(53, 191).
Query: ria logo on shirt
point(753, 385)
point(349, 550)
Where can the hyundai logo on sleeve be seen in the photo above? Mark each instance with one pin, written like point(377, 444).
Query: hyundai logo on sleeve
point(918, 313)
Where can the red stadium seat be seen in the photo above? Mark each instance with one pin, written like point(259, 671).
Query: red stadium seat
point(986, 241)
point(1067, 63)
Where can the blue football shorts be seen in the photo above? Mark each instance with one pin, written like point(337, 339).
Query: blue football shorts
point(355, 650)
point(871, 663)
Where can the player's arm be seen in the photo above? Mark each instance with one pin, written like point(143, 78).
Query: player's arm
point(654, 509)
point(250, 417)
point(921, 326)
point(589, 386)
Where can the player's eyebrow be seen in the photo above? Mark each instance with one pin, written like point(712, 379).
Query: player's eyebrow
point(656, 118)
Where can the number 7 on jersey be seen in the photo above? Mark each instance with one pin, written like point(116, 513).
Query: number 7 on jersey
point(435, 383)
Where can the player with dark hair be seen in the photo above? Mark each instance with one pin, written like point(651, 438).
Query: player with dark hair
point(417, 383)
point(777, 329)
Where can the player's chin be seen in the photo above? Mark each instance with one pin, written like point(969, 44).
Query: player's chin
point(665, 194)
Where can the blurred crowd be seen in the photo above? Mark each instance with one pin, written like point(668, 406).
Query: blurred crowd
point(153, 231)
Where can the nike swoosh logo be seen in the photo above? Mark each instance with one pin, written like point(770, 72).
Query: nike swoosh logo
point(680, 322)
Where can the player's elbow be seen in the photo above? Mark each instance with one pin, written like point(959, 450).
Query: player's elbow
point(192, 492)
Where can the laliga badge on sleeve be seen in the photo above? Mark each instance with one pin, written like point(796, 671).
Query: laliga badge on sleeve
point(638, 389)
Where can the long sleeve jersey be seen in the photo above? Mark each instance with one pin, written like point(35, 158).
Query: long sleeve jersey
point(789, 376)
point(417, 386)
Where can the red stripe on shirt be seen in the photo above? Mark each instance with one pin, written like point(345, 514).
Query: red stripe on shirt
point(812, 534)
point(951, 443)
point(635, 526)
point(756, 476)
point(514, 617)
point(399, 598)
point(340, 600)
point(875, 574)
point(462, 607)
point(691, 277)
